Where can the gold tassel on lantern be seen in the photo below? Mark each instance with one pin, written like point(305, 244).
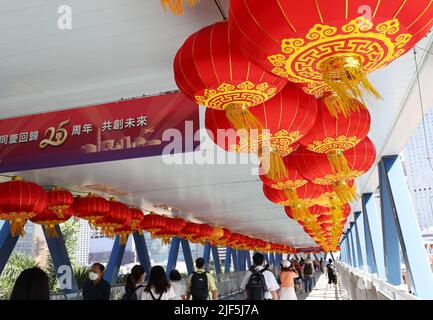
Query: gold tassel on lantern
point(273, 164)
point(50, 230)
point(241, 118)
point(17, 227)
point(176, 6)
point(345, 192)
point(296, 204)
point(123, 238)
point(338, 162)
point(345, 77)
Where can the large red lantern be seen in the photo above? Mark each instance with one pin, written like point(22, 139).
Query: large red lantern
point(137, 217)
point(91, 208)
point(172, 228)
point(19, 201)
point(285, 119)
point(316, 168)
point(332, 136)
point(59, 201)
point(329, 46)
point(214, 73)
point(152, 223)
point(49, 218)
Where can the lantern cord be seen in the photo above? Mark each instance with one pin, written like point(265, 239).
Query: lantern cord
point(422, 106)
point(220, 8)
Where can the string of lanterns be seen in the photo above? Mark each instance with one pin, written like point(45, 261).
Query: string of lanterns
point(21, 201)
point(287, 80)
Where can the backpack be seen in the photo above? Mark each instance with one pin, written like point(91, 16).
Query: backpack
point(199, 286)
point(131, 294)
point(331, 270)
point(308, 269)
point(256, 286)
point(153, 297)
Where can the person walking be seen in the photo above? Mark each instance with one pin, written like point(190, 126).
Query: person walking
point(332, 274)
point(308, 271)
point(96, 288)
point(178, 286)
point(158, 287)
point(31, 284)
point(287, 277)
point(299, 281)
point(259, 283)
point(134, 287)
point(200, 284)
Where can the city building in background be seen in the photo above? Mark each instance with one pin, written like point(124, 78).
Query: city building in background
point(419, 170)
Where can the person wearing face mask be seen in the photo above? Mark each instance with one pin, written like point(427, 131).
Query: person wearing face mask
point(96, 288)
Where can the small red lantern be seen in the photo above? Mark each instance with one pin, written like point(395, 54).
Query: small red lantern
point(19, 201)
point(137, 217)
point(117, 217)
point(59, 201)
point(152, 223)
point(49, 219)
point(91, 208)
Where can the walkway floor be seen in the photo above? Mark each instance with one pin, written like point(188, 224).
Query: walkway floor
point(322, 291)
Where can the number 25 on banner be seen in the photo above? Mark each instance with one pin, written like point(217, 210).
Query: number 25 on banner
point(55, 137)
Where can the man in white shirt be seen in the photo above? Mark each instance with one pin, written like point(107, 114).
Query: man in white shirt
point(272, 287)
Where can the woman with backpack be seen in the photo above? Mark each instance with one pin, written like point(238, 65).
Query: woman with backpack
point(158, 287)
point(287, 277)
point(134, 284)
point(178, 286)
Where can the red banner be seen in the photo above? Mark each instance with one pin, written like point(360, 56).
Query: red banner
point(111, 131)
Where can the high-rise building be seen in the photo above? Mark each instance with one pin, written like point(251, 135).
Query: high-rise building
point(83, 243)
point(419, 170)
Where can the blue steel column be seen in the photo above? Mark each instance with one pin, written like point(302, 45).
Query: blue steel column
point(216, 259)
point(272, 258)
point(173, 254)
point(7, 244)
point(373, 236)
point(360, 243)
point(349, 248)
point(248, 260)
point(353, 245)
point(142, 252)
point(228, 260)
point(411, 241)
point(235, 260)
point(60, 257)
point(389, 229)
point(186, 249)
point(206, 256)
point(112, 270)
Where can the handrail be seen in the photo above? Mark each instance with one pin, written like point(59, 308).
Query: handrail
point(383, 290)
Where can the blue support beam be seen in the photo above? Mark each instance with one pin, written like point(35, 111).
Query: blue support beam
point(216, 259)
point(142, 252)
point(186, 249)
point(359, 240)
point(272, 258)
point(353, 246)
point(62, 263)
point(373, 236)
point(206, 256)
point(235, 260)
point(7, 244)
point(112, 270)
point(248, 260)
point(350, 250)
point(228, 260)
point(173, 254)
point(399, 211)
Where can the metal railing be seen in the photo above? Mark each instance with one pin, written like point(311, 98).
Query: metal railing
point(228, 284)
point(360, 285)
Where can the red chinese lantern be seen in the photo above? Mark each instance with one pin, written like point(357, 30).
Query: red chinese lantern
point(285, 119)
point(214, 73)
point(176, 6)
point(152, 222)
point(19, 201)
point(91, 208)
point(49, 219)
point(332, 136)
point(59, 201)
point(117, 217)
point(137, 217)
point(172, 228)
point(316, 168)
point(329, 46)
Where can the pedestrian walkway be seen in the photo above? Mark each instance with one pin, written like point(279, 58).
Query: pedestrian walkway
point(323, 291)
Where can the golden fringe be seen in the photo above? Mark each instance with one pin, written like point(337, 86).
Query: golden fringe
point(50, 231)
point(241, 118)
point(17, 227)
point(273, 165)
point(345, 192)
point(345, 77)
point(176, 6)
point(338, 163)
point(337, 106)
point(123, 239)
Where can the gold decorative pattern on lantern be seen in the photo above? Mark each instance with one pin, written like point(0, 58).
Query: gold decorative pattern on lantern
point(282, 142)
point(375, 46)
point(246, 94)
point(330, 144)
point(289, 184)
point(341, 176)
